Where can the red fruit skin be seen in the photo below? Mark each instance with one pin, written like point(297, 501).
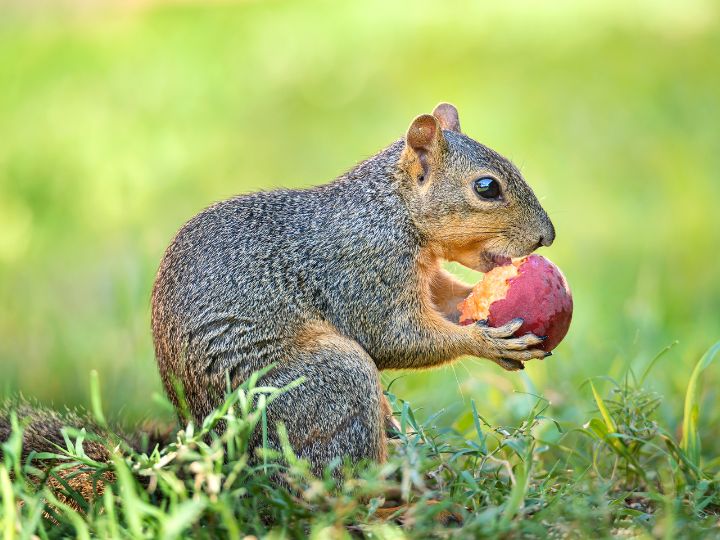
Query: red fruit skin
point(540, 295)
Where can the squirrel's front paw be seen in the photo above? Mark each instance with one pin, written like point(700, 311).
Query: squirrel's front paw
point(498, 345)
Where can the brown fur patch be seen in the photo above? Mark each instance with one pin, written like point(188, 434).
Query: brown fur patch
point(410, 163)
point(440, 292)
point(85, 483)
point(428, 267)
point(461, 238)
point(447, 293)
point(320, 334)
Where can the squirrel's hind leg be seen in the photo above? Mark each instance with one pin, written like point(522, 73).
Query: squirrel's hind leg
point(337, 412)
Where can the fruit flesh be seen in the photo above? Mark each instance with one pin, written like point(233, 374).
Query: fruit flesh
point(493, 286)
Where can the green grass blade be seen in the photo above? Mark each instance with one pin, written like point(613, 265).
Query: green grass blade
point(95, 400)
point(604, 412)
point(182, 517)
point(113, 530)
point(131, 503)
point(9, 510)
point(518, 492)
point(478, 427)
point(691, 438)
point(75, 519)
point(652, 363)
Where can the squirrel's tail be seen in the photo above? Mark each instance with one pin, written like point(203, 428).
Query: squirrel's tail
point(44, 431)
point(42, 428)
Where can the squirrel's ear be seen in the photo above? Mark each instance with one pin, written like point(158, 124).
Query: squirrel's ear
point(448, 117)
point(424, 137)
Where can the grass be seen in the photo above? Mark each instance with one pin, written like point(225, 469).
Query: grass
point(117, 124)
point(620, 474)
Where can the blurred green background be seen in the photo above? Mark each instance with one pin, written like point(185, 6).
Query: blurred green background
point(119, 123)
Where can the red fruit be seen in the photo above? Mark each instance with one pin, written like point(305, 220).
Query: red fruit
point(531, 288)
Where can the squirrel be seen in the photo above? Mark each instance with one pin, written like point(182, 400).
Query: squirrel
point(338, 282)
point(334, 284)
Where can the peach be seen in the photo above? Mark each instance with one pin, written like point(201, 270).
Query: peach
point(531, 288)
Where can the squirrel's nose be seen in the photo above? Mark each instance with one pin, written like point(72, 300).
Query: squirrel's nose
point(548, 237)
point(545, 241)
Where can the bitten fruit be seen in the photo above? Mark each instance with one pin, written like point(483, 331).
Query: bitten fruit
point(531, 288)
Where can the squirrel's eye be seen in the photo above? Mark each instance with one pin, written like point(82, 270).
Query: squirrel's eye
point(487, 188)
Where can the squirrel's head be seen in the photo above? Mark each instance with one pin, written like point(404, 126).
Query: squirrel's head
point(468, 201)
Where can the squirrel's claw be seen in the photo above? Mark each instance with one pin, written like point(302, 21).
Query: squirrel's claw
point(509, 365)
point(504, 331)
point(507, 351)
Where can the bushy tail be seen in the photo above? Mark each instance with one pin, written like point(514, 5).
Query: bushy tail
point(46, 431)
point(42, 431)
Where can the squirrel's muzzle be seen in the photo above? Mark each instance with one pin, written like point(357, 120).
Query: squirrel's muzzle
point(548, 236)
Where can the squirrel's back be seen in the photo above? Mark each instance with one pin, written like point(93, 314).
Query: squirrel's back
point(243, 276)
